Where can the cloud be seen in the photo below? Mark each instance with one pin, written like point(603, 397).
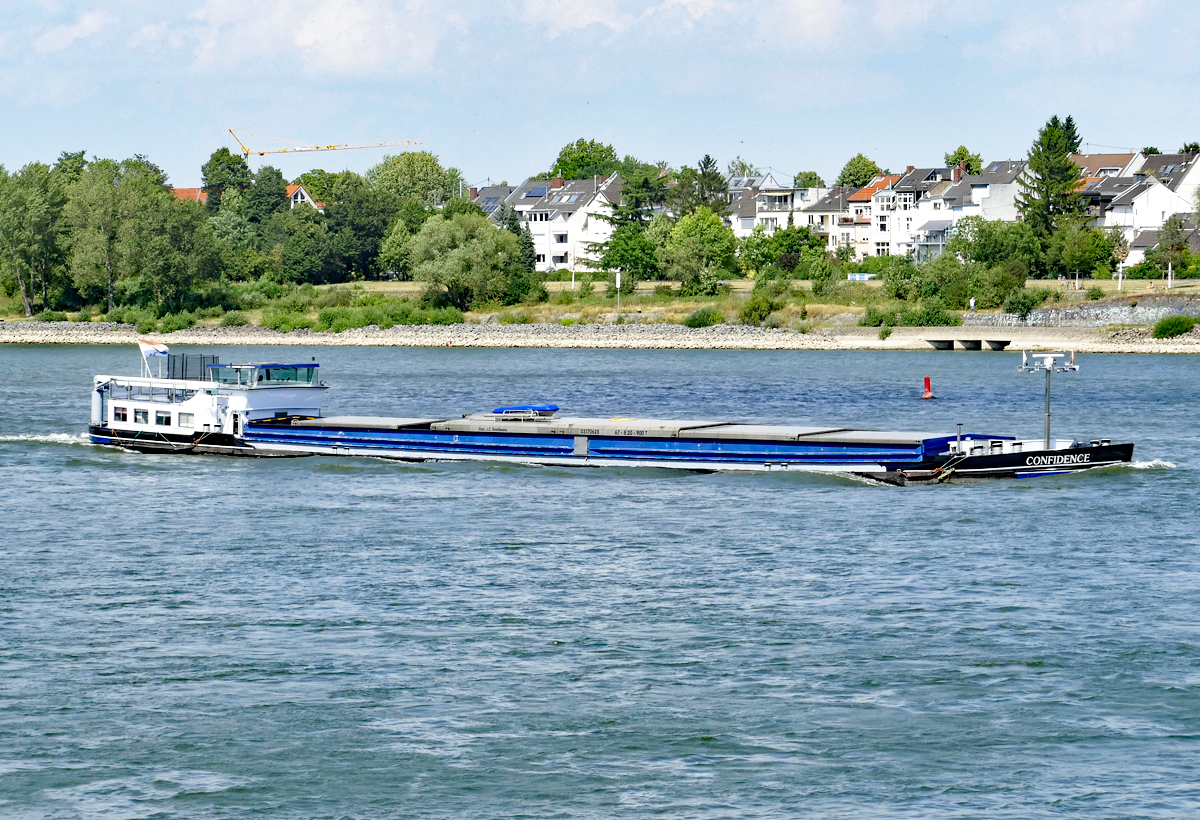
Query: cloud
point(1054, 35)
point(341, 37)
point(56, 39)
point(562, 16)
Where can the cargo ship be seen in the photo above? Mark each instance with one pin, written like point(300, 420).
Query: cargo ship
point(273, 409)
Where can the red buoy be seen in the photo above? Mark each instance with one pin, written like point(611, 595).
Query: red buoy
point(928, 394)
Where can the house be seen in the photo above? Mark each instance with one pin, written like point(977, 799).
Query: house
point(990, 194)
point(561, 217)
point(1108, 165)
point(894, 208)
point(857, 231)
point(190, 195)
point(1179, 172)
point(828, 215)
point(1143, 206)
point(774, 205)
point(1147, 239)
point(743, 213)
point(299, 195)
point(734, 185)
point(490, 197)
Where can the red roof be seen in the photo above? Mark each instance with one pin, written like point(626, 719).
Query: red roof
point(877, 184)
point(190, 194)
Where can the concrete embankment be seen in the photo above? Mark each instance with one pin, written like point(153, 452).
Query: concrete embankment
point(644, 336)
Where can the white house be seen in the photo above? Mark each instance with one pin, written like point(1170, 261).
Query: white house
point(1143, 206)
point(561, 217)
point(1179, 172)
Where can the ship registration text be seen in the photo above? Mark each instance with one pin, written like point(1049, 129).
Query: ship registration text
point(1046, 461)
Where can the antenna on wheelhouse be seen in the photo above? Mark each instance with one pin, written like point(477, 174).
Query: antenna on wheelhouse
point(1049, 364)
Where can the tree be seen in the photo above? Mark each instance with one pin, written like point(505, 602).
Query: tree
point(992, 242)
point(1049, 193)
point(93, 211)
point(1190, 148)
point(963, 154)
point(33, 230)
point(224, 169)
point(509, 220)
point(1172, 243)
point(700, 187)
point(584, 159)
point(859, 171)
point(700, 244)
point(414, 174)
point(1150, 151)
point(808, 179)
point(266, 196)
point(302, 249)
point(1071, 135)
point(319, 183)
point(468, 261)
point(823, 276)
point(629, 251)
point(641, 192)
point(358, 216)
point(740, 167)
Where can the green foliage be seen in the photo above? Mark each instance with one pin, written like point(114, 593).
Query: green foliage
point(564, 297)
point(414, 174)
point(704, 317)
point(223, 171)
point(176, 321)
point(34, 235)
point(629, 251)
point(51, 316)
point(858, 171)
point(469, 262)
point(757, 308)
point(584, 159)
point(357, 217)
point(385, 314)
point(877, 317)
point(1171, 326)
point(234, 318)
point(301, 246)
point(585, 286)
point(808, 179)
point(286, 321)
point(823, 276)
point(1190, 148)
point(963, 154)
point(885, 332)
point(993, 242)
point(1024, 301)
point(268, 195)
point(699, 188)
point(1095, 293)
point(318, 183)
point(1080, 248)
point(930, 314)
point(741, 167)
point(700, 241)
point(1150, 150)
point(1050, 195)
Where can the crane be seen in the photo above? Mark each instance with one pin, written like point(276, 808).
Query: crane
point(246, 152)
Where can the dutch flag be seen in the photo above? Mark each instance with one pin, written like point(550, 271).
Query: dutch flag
point(150, 348)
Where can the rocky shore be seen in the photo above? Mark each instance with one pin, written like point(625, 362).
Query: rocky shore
point(644, 336)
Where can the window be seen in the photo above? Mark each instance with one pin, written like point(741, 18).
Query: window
point(560, 238)
point(162, 418)
point(534, 193)
point(937, 206)
point(574, 197)
point(846, 237)
point(882, 223)
point(558, 198)
point(811, 219)
point(187, 420)
point(120, 414)
point(541, 257)
point(882, 249)
point(141, 416)
point(539, 216)
point(559, 260)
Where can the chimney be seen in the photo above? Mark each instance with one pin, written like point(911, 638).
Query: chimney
point(956, 172)
point(603, 180)
point(557, 182)
point(908, 170)
point(474, 194)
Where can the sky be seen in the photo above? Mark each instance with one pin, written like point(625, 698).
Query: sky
point(497, 87)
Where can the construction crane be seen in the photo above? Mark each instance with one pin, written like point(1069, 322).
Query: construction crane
point(246, 152)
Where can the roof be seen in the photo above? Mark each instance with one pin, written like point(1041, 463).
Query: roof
point(1104, 189)
point(1093, 164)
point(865, 193)
point(541, 195)
point(190, 194)
point(835, 201)
point(1132, 192)
point(1148, 239)
point(1170, 168)
point(999, 172)
point(934, 225)
point(291, 193)
point(491, 197)
point(746, 205)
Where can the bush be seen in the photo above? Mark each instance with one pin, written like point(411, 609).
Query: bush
point(704, 317)
point(51, 316)
point(876, 317)
point(664, 290)
point(385, 313)
point(1172, 326)
point(757, 309)
point(285, 321)
point(564, 297)
point(1022, 302)
point(930, 315)
point(176, 321)
point(884, 332)
point(234, 318)
point(1095, 293)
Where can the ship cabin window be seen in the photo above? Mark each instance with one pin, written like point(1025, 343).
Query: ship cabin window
point(226, 374)
point(120, 414)
point(284, 375)
point(162, 418)
point(141, 416)
point(187, 420)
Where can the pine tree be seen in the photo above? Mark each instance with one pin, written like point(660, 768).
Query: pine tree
point(1049, 194)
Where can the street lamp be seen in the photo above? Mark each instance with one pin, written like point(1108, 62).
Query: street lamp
point(1048, 364)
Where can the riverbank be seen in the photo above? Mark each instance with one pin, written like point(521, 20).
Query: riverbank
point(644, 336)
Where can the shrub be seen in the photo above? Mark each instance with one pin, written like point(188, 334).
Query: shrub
point(234, 318)
point(757, 308)
point(1095, 293)
point(585, 286)
point(876, 317)
point(51, 316)
point(1022, 302)
point(564, 297)
point(931, 314)
point(385, 313)
point(176, 321)
point(285, 321)
point(1172, 326)
point(566, 322)
point(884, 332)
point(704, 317)
point(537, 293)
point(664, 290)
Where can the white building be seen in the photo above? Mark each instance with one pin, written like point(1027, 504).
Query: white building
point(561, 216)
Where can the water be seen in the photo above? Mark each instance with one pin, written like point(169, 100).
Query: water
point(198, 637)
